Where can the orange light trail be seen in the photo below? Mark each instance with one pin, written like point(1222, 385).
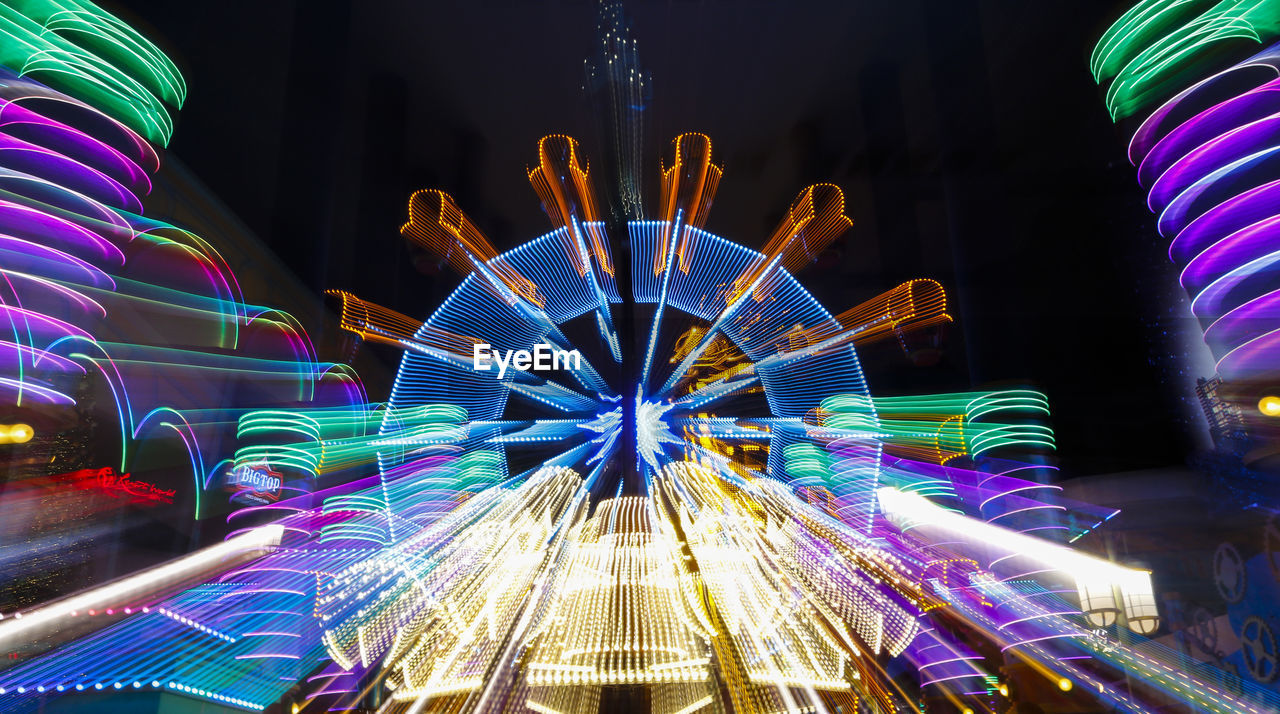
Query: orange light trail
point(375, 323)
point(688, 187)
point(439, 225)
point(816, 218)
point(563, 184)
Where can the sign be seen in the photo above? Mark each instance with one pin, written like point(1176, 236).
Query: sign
point(254, 483)
point(117, 485)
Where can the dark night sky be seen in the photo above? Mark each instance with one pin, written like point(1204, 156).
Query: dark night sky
point(972, 144)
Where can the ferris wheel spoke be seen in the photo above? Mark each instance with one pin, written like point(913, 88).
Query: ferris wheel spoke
point(719, 389)
point(656, 327)
point(722, 320)
point(554, 395)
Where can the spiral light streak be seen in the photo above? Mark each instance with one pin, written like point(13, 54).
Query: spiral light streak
point(93, 294)
point(1207, 155)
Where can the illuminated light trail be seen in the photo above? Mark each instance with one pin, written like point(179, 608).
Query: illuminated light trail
point(939, 427)
point(20, 628)
point(94, 296)
point(771, 551)
point(620, 90)
point(621, 561)
point(452, 582)
point(151, 319)
point(436, 223)
point(1207, 154)
point(911, 306)
point(1145, 54)
point(770, 539)
point(561, 181)
point(376, 323)
point(1092, 575)
point(59, 42)
point(688, 188)
point(814, 220)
